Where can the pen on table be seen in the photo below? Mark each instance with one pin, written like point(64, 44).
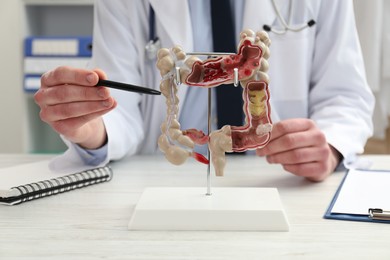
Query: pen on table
point(127, 87)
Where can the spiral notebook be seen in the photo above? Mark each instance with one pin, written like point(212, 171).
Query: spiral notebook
point(31, 181)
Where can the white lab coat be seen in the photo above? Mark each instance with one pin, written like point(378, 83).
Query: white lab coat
point(317, 73)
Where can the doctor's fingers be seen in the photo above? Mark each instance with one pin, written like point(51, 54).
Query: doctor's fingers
point(301, 155)
point(291, 126)
point(64, 111)
point(69, 93)
point(307, 138)
point(313, 163)
point(68, 75)
point(70, 127)
point(314, 171)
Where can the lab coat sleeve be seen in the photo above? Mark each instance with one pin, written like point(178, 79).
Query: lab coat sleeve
point(115, 51)
point(340, 100)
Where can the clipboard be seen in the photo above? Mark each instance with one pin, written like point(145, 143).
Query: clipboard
point(363, 195)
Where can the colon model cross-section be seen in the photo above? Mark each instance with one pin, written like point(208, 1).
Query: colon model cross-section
point(252, 65)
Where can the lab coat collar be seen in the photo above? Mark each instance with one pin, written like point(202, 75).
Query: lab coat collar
point(179, 30)
point(256, 14)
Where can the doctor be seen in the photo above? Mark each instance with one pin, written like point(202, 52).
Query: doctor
point(320, 100)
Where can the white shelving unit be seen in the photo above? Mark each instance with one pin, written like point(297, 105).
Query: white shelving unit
point(23, 131)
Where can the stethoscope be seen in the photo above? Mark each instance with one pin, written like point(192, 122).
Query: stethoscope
point(154, 44)
point(286, 26)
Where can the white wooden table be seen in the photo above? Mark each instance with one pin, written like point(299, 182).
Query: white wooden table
point(91, 223)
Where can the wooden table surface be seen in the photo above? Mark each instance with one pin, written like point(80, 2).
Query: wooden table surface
point(91, 223)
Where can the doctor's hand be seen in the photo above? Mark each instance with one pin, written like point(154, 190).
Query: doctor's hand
point(301, 148)
point(73, 107)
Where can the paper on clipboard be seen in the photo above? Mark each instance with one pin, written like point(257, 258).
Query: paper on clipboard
point(361, 190)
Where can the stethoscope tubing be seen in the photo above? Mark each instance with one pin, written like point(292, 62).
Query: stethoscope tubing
point(286, 26)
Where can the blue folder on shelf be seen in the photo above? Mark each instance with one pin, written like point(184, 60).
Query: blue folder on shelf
point(363, 195)
point(44, 53)
point(58, 46)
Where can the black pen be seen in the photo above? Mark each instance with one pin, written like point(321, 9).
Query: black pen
point(127, 87)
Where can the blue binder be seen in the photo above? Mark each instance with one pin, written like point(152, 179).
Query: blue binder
point(59, 46)
point(42, 53)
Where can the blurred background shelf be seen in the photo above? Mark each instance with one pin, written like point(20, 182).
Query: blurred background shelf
point(22, 130)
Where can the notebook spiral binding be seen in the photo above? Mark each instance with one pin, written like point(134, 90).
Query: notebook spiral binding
point(62, 184)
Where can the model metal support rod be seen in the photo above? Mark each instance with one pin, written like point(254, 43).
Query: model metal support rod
point(208, 193)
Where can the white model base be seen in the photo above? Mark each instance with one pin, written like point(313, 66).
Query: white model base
point(243, 209)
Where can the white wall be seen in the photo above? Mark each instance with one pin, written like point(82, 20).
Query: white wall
point(12, 104)
point(373, 22)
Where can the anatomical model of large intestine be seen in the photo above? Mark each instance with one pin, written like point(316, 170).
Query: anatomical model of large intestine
point(251, 65)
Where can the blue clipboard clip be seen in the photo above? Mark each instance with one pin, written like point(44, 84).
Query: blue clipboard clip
point(378, 214)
